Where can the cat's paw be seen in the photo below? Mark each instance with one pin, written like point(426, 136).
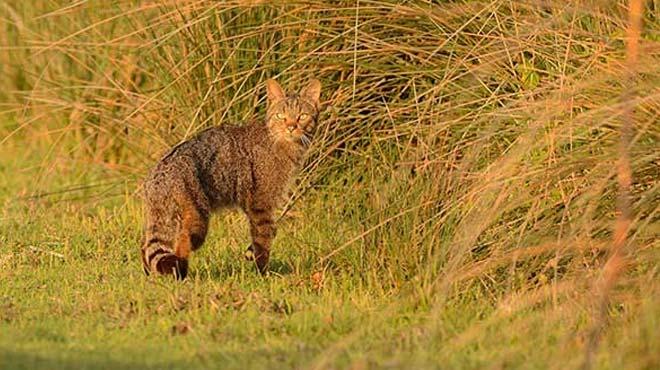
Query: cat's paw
point(261, 262)
point(173, 265)
point(249, 253)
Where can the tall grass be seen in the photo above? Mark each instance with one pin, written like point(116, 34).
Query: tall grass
point(466, 150)
point(614, 266)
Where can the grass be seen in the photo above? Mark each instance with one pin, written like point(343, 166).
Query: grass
point(456, 209)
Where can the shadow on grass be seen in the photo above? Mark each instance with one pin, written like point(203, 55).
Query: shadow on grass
point(85, 360)
point(280, 267)
point(228, 270)
point(29, 361)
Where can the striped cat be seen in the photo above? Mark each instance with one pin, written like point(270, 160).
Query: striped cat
point(248, 167)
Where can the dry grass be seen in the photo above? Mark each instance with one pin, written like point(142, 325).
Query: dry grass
point(467, 151)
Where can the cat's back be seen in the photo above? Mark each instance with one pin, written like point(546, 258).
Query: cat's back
point(223, 141)
point(226, 147)
point(228, 139)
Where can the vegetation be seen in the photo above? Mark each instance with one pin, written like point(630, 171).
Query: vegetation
point(456, 210)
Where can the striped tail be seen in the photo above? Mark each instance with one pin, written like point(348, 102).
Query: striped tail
point(158, 256)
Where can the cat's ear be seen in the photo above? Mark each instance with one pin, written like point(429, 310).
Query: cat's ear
point(274, 91)
point(312, 91)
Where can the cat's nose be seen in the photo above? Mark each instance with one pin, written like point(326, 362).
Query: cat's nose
point(291, 128)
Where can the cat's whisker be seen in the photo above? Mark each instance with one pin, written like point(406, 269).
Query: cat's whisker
point(305, 140)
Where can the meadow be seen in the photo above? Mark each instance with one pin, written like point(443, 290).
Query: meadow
point(457, 209)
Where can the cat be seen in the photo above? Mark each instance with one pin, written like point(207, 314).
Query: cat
point(248, 167)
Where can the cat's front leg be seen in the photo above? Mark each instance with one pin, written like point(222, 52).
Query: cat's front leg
point(262, 230)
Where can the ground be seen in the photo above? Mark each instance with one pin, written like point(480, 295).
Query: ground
point(73, 295)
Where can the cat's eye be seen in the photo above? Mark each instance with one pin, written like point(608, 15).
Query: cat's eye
point(303, 117)
point(279, 116)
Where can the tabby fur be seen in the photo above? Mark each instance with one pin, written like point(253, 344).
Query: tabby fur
point(246, 166)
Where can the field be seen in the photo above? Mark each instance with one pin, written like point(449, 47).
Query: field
point(464, 203)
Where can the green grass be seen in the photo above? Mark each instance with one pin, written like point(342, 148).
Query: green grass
point(455, 210)
point(73, 296)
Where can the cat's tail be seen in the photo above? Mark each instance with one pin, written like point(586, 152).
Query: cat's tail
point(158, 256)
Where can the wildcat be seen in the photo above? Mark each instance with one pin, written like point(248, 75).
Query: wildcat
point(248, 166)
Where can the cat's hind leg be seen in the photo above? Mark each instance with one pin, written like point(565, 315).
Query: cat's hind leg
point(158, 256)
point(194, 227)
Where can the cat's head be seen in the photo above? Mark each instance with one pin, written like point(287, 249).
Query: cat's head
point(292, 116)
